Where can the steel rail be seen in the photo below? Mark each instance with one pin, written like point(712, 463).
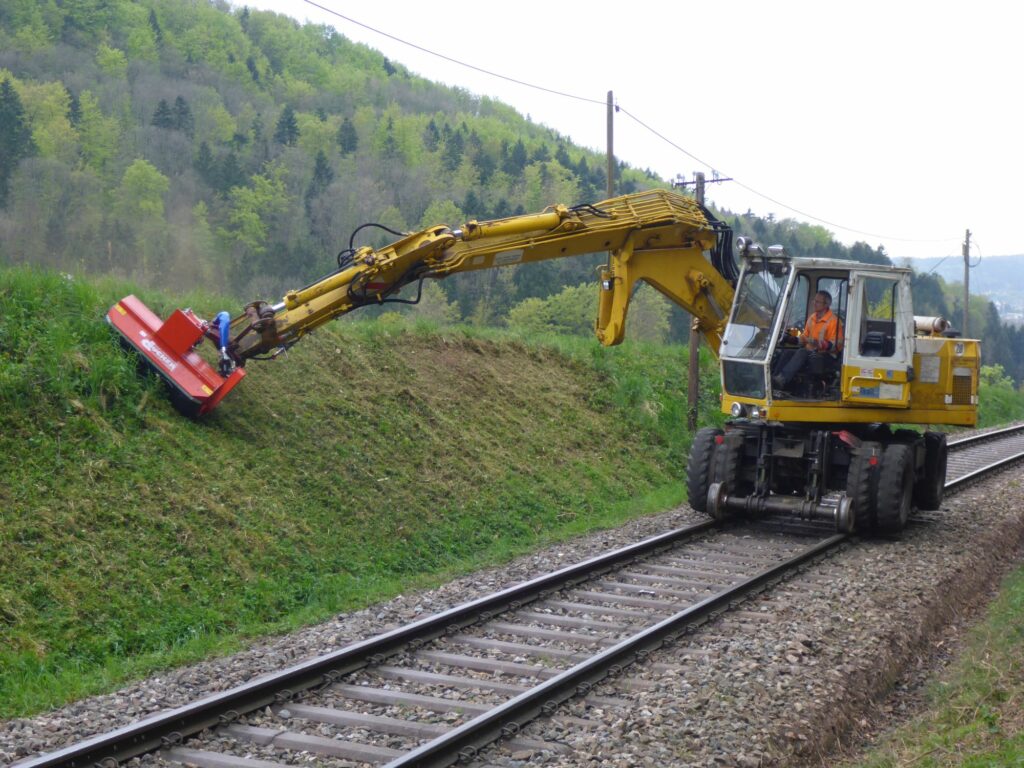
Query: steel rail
point(463, 742)
point(173, 726)
point(985, 436)
point(963, 480)
point(506, 719)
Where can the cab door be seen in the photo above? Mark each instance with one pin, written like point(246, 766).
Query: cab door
point(879, 343)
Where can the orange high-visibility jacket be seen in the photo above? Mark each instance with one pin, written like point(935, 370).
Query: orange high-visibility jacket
point(826, 330)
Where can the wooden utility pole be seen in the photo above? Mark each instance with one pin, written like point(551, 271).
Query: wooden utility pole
point(967, 281)
point(611, 150)
point(693, 390)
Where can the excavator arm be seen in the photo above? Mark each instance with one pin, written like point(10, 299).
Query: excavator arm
point(658, 237)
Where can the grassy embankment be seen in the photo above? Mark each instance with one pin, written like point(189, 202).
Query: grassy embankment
point(373, 458)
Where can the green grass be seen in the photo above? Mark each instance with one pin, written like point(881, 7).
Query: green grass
point(975, 714)
point(373, 458)
point(999, 404)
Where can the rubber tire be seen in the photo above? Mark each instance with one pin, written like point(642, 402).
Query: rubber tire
point(895, 488)
point(698, 468)
point(728, 460)
point(726, 468)
point(862, 484)
point(931, 486)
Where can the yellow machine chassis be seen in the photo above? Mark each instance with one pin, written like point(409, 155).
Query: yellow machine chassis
point(943, 389)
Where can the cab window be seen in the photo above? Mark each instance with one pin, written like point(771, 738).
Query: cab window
point(836, 287)
point(878, 320)
point(798, 303)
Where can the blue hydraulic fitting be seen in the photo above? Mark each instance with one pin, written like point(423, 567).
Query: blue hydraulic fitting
point(223, 322)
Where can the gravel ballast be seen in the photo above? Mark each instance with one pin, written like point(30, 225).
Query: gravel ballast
point(780, 683)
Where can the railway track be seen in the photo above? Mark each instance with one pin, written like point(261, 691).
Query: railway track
point(436, 691)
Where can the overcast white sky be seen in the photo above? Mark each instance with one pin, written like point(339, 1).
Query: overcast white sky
point(897, 123)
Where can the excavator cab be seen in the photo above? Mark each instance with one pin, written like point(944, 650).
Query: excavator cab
point(872, 365)
point(827, 444)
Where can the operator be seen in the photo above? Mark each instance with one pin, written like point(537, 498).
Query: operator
point(821, 342)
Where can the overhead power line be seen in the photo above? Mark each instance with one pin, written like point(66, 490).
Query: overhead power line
point(750, 189)
point(638, 121)
point(450, 59)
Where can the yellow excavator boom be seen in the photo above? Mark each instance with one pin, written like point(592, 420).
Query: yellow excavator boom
point(659, 237)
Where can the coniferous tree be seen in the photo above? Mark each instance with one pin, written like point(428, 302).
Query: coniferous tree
point(541, 154)
point(517, 159)
point(250, 63)
point(183, 120)
point(229, 173)
point(348, 139)
point(205, 166)
point(287, 130)
point(451, 158)
point(163, 117)
point(485, 164)
point(431, 137)
point(74, 110)
point(389, 147)
point(323, 175)
point(473, 207)
point(15, 136)
point(562, 156)
point(154, 24)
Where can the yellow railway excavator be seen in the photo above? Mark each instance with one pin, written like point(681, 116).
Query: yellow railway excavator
point(822, 444)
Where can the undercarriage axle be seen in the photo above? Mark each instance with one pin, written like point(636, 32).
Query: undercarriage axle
point(834, 508)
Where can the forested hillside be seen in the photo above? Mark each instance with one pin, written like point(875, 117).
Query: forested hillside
point(186, 144)
point(196, 145)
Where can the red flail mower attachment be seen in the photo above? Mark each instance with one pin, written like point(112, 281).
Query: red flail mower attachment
point(170, 349)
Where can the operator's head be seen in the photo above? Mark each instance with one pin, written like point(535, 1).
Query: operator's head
point(822, 301)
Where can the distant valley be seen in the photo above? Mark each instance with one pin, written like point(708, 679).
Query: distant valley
point(1000, 278)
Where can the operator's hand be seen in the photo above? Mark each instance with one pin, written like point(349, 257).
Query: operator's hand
point(812, 344)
